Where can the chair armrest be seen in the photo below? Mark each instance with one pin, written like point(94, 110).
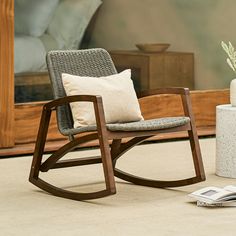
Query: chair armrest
point(95, 99)
point(76, 98)
point(151, 92)
point(183, 92)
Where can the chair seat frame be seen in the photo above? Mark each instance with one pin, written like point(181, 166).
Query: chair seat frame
point(110, 153)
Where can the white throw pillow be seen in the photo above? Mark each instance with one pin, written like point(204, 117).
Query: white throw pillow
point(119, 98)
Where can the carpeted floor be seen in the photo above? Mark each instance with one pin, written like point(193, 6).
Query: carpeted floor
point(134, 210)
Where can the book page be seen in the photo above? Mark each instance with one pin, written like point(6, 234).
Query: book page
point(231, 188)
point(214, 194)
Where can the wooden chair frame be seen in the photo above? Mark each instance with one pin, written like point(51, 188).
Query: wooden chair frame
point(110, 153)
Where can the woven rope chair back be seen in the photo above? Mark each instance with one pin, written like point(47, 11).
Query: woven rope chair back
point(89, 62)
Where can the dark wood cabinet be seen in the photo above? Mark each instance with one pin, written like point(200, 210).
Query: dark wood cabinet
point(155, 70)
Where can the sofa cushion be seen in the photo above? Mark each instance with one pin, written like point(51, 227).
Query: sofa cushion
point(70, 21)
point(29, 54)
point(33, 17)
point(118, 95)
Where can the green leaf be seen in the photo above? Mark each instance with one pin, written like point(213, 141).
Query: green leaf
point(231, 48)
point(230, 64)
point(225, 47)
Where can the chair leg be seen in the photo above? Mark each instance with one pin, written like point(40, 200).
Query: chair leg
point(115, 148)
point(34, 178)
point(193, 138)
point(104, 146)
point(108, 170)
point(37, 163)
point(196, 154)
point(40, 144)
point(107, 164)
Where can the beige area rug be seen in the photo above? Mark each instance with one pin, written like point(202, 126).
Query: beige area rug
point(134, 210)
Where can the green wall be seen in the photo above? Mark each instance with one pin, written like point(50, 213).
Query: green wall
point(188, 25)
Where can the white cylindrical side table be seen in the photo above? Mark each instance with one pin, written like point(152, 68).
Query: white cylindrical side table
point(226, 141)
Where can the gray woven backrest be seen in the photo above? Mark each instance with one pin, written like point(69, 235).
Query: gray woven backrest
point(89, 62)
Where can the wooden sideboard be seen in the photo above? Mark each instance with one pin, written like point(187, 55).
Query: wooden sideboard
point(27, 117)
point(154, 70)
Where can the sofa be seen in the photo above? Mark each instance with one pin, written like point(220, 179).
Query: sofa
point(41, 26)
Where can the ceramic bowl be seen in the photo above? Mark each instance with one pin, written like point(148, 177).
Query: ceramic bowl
point(154, 47)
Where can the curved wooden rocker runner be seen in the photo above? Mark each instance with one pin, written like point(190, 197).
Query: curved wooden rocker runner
point(60, 62)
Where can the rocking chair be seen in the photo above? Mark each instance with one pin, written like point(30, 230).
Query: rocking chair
point(96, 63)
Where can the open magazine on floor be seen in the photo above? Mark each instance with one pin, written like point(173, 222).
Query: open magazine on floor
point(214, 196)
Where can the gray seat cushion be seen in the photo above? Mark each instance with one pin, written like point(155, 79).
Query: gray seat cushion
point(153, 124)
